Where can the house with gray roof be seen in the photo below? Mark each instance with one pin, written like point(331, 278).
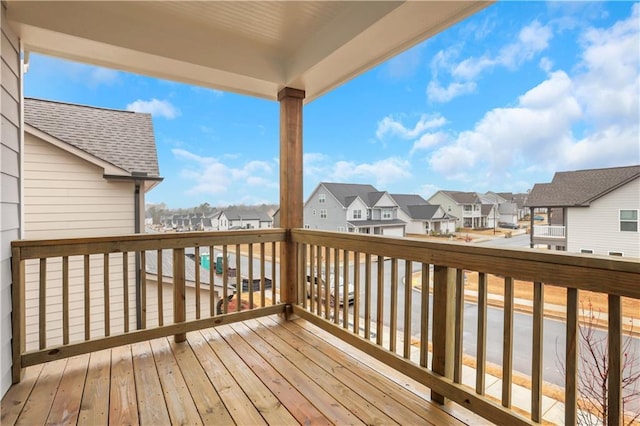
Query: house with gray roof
point(244, 217)
point(350, 207)
point(422, 217)
point(465, 206)
point(599, 209)
point(86, 166)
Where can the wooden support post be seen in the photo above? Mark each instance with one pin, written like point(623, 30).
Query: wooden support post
point(291, 202)
point(179, 299)
point(614, 400)
point(17, 314)
point(444, 286)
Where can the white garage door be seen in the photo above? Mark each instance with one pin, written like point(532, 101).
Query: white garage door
point(397, 231)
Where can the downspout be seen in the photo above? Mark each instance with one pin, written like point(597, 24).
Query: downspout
point(137, 230)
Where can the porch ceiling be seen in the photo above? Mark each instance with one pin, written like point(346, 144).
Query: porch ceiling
point(255, 48)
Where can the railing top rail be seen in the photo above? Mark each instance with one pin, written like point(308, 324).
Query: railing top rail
point(589, 272)
point(33, 249)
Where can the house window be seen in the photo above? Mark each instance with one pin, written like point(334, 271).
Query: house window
point(314, 212)
point(615, 253)
point(340, 228)
point(629, 220)
point(586, 251)
point(306, 226)
point(468, 207)
point(386, 214)
point(321, 198)
point(323, 213)
point(357, 214)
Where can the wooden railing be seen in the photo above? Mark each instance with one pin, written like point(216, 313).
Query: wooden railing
point(76, 296)
point(382, 319)
point(549, 231)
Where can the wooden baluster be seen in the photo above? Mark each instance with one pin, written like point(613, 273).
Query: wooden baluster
point(507, 338)
point(302, 272)
point(345, 287)
point(263, 300)
point(367, 296)
point(310, 280)
point(443, 324)
point(125, 289)
point(274, 278)
point(179, 302)
point(424, 315)
point(318, 280)
point(327, 277)
point(481, 345)
point(212, 292)
point(393, 324)
point(459, 326)
point(380, 300)
point(42, 304)
point(238, 280)
point(65, 300)
point(571, 360)
point(614, 400)
point(336, 285)
point(160, 289)
point(250, 277)
point(107, 295)
point(225, 278)
point(356, 291)
point(408, 292)
point(143, 289)
point(87, 298)
point(536, 359)
point(197, 267)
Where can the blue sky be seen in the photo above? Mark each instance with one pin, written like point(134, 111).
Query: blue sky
point(498, 102)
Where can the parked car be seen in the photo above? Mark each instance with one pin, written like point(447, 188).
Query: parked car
point(536, 217)
point(508, 225)
point(332, 290)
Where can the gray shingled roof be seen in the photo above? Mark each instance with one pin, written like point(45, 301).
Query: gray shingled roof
point(463, 197)
point(581, 187)
point(423, 212)
point(406, 200)
point(345, 193)
point(122, 138)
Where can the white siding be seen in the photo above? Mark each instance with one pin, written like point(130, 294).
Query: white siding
point(67, 197)
point(10, 180)
point(597, 227)
point(448, 205)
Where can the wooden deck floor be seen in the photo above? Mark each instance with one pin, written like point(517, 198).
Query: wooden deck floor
point(266, 371)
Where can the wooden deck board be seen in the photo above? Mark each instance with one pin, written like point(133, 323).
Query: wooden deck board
point(66, 404)
point(182, 409)
point(151, 406)
point(94, 409)
point(332, 361)
point(123, 406)
point(266, 371)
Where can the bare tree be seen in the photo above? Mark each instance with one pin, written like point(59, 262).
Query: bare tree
point(593, 373)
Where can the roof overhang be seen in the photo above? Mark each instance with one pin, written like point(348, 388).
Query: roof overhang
point(254, 48)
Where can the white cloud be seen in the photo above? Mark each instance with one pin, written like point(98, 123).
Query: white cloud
point(429, 140)
point(393, 127)
point(381, 173)
point(155, 107)
point(532, 39)
point(590, 119)
point(100, 76)
point(209, 176)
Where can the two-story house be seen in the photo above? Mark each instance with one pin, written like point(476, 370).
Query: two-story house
point(352, 207)
point(465, 206)
point(422, 217)
point(599, 210)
